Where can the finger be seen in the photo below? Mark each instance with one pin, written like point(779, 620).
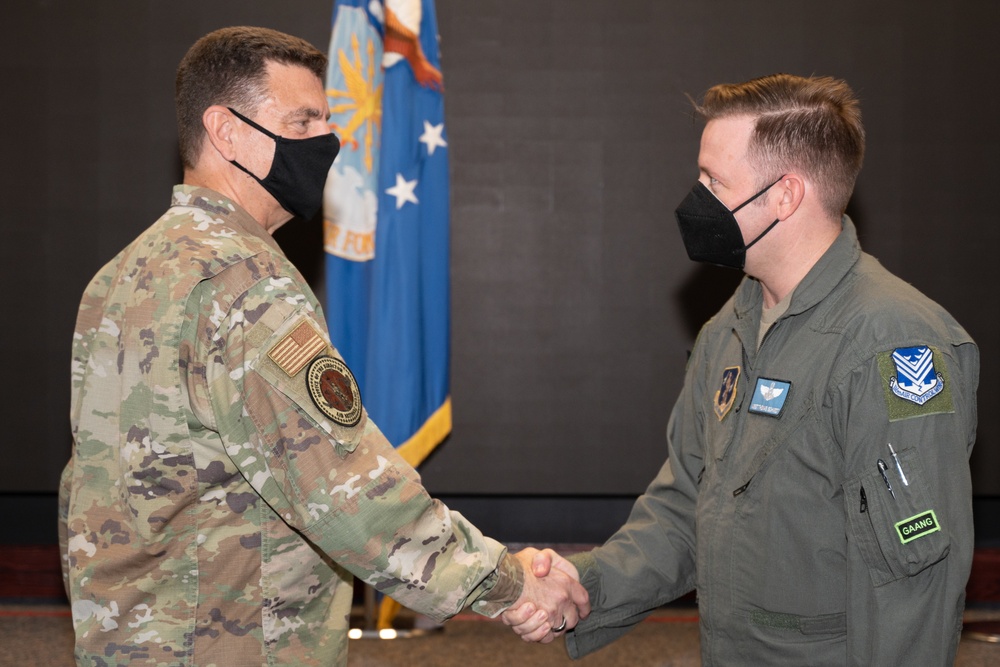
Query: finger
point(542, 634)
point(570, 617)
point(555, 596)
point(580, 597)
point(541, 564)
point(519, 615)
point(561, 564)
point(534, 628)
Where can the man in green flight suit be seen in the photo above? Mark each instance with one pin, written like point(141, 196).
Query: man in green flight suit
point(817, 492)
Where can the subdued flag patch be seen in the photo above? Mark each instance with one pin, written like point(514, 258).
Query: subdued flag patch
point(294, 351)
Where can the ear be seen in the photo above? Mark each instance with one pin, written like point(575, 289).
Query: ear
point(791, 190)
point(220, 128)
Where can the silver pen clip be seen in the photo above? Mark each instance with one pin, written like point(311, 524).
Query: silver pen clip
point(899, 468)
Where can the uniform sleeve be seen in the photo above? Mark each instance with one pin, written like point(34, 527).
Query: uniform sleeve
point(65, 482)
point(909, 549)
point(651, 559)
point(292, 420)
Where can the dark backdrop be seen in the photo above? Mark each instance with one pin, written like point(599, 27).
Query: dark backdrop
point(571, 142)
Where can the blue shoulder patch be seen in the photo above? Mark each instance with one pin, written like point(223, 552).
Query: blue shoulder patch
point(916, 380)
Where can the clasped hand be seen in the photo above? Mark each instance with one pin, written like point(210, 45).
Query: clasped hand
point(552, 602)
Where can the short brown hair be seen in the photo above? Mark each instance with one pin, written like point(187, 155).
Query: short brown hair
point(229, 67)
point(809, 124)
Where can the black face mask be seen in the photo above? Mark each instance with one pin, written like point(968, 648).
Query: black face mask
point(710, 231)
point(298, 171)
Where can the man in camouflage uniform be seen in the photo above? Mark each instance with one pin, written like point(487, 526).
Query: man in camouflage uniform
point(226, 482)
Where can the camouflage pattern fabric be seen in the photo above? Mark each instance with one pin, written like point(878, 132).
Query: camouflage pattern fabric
point(215, 508)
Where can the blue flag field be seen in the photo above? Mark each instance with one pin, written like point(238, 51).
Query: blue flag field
point(386, 217)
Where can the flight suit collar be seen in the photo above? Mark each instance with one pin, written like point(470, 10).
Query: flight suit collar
point(821, 280)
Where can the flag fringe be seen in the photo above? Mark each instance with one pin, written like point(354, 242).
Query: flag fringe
point(422, 443)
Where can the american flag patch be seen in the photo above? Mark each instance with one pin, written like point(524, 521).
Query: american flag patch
point(295, 350)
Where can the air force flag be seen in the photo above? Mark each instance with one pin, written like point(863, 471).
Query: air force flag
point(386, 217)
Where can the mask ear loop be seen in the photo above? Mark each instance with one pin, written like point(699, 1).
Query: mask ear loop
point(259, 129)
point(769, 227)
point(275, 137)
point(738, 207)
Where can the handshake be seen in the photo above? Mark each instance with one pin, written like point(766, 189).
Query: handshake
point(552, 601)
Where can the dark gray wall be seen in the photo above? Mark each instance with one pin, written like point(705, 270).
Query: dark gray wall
point(571, 142)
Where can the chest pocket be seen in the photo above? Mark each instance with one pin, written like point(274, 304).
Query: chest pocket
point(766, 437)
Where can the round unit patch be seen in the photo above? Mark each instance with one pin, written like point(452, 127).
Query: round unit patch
point(334, 391)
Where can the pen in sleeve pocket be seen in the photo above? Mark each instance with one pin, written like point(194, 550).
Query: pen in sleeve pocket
point(882, 467)
point(899, 468)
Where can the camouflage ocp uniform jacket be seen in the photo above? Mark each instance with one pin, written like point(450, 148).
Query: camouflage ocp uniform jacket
point(226, 482)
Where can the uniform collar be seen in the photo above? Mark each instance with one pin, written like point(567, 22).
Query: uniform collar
point(224, 209)
point(824, 276)
point(817, 284)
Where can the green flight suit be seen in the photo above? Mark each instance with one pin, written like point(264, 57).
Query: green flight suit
point(771, 502)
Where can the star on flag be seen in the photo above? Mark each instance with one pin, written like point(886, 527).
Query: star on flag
point(432, 137)
point(403, 191)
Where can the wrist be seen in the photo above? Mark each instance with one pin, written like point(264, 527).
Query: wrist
point(504, 587)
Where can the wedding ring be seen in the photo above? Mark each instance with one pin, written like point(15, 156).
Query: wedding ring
point(561, 627)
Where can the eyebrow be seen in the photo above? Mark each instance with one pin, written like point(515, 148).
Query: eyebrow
point(308, 112)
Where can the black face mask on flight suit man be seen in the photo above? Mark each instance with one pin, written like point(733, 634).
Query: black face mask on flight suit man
point(710, 231)
point(299, 169)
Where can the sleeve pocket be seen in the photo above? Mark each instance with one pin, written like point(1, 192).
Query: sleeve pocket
point(898, 537)
point(295, 387)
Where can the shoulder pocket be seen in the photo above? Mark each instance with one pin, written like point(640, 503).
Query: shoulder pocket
point(898, 537)
point(296, 359)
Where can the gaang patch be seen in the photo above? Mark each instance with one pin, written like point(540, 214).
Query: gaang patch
point(922, 524)
point(334, 391)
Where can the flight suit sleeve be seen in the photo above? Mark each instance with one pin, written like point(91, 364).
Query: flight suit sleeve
point(909, 548)
point(651, 559)
point(292, 420)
